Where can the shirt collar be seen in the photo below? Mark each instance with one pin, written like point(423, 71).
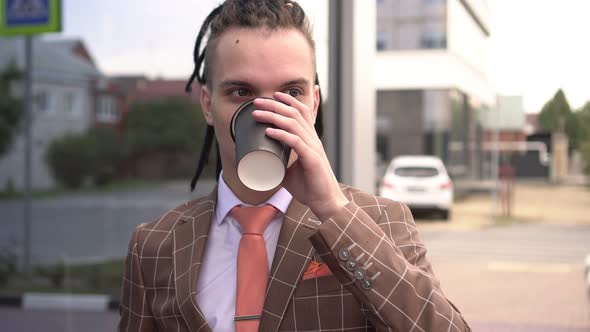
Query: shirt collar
point(226, 200)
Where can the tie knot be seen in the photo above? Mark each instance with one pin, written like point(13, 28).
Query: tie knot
point(254, 219)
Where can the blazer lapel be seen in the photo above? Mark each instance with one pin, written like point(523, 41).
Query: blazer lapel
point(292, 256)
point(190, 238)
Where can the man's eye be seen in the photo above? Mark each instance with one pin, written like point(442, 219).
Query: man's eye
point(295, 92)
point(241, 92)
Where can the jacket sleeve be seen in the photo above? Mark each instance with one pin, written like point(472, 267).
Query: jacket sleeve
point(135, 310)
point(372, 246)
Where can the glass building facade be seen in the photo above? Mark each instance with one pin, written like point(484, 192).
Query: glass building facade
point(442, 121)
point(411, 24)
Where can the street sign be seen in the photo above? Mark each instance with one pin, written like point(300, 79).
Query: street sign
point(28, 17)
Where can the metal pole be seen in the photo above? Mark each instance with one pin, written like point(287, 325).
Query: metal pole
point(28, 139)
point(495, 159)
point(332, 117)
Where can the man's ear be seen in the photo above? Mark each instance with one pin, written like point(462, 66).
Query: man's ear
point(205, 99)
point(316, 101)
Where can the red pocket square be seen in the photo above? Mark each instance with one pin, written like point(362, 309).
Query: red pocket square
point(316, 270)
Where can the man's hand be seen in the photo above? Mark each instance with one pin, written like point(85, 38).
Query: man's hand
point(310, 178)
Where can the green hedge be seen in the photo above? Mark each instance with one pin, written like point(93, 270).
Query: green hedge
point(94, 155)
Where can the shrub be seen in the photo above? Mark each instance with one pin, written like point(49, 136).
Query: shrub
point(56, 273)
point(107, 153)
point(8, 261)
point(70, 159)
point(585, 152)
point(95, 154)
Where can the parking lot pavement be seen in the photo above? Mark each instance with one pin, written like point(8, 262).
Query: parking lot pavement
point(513, 298)
point(525, 273)
point(533, 203)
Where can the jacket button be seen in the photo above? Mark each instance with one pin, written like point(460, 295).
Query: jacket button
point(351, 265)
point(344, 254)
point(360, 273)
point(367, 283)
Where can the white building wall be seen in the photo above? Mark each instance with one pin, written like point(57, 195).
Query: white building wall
point(47, 125)
point(465, 39)
point(430, 69)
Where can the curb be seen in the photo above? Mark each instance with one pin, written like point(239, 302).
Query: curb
point(78, 302)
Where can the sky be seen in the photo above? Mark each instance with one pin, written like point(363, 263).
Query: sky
point(539, 46)
point(536, 46)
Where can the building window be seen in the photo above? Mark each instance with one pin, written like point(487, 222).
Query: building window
point(69, 105)
point(42, 102)
point(431, 39)
point(381, 44)
point(106, 109)
point(412, 25)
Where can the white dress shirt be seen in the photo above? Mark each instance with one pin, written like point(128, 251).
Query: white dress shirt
point(216, 285)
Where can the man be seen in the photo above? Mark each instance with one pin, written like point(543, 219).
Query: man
point(338, 259)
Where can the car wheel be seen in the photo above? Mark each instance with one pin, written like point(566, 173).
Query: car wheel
point(445, 214)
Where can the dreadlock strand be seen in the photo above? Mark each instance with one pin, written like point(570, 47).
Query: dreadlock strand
point(204, 158)
point(319, 119)
point(198, 58)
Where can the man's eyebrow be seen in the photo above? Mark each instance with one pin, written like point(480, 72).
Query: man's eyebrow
point(228, 83)
point(299, 81)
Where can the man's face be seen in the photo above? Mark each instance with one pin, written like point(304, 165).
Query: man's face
point(250, 63)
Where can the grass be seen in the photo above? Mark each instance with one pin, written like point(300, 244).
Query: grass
point(96, 278)
point(119, 185)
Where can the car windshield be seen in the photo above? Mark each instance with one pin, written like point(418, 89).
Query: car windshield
point(416, 172)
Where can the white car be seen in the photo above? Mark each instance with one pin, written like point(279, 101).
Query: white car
point(421, 182)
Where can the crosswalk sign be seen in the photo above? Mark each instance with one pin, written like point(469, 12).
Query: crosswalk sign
point(25, 17)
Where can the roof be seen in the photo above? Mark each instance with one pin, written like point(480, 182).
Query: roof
point(75, 46)
point(50, 59)
point(159, 89)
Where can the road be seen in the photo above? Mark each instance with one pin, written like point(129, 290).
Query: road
point(89, 226)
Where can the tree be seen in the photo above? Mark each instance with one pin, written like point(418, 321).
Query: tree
point(164, 126)
point(583, 116)
point(583, 120)
point(554, 112)
point(10, 107)
point(585, 153)
point(556, 115)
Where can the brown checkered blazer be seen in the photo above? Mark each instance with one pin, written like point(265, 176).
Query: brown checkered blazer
point(395, 291)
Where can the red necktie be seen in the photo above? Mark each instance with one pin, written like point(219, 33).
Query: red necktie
point(252, 277)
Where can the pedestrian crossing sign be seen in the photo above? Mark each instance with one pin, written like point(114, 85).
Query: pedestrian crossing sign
point(27, 17)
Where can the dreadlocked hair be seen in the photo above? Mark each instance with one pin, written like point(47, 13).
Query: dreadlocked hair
point(271, 14)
